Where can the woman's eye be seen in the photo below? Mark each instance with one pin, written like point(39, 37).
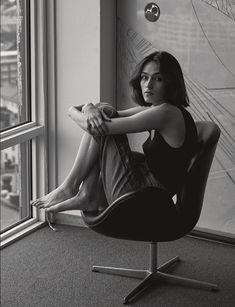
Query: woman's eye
point(143, 78)
point(153, 78)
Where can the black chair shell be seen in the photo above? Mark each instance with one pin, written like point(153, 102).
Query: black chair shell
point(151, 215)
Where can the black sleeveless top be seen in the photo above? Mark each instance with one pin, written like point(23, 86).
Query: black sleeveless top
point(168, 164)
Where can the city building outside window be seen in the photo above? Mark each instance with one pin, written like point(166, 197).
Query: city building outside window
point(15, 108)
point(23, 107)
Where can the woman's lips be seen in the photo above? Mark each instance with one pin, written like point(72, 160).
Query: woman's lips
point(148, 93)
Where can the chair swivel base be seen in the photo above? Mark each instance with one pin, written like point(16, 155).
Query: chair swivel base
point(150, 276)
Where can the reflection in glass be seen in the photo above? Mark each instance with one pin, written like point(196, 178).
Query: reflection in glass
point(13, 63)
point(13, 189)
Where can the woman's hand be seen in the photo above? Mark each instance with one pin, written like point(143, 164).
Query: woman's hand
point(95, 119)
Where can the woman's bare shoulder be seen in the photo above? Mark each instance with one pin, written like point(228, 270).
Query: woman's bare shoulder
point(131, 111)
point(171, 110)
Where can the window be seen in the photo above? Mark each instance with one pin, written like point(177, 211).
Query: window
point(15, 178)
point(15, 72)
point(23, 124)
point(15, 110)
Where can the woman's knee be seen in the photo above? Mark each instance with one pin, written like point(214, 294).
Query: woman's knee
point(108, 109)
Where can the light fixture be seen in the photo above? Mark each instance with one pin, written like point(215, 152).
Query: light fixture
point(152, 12)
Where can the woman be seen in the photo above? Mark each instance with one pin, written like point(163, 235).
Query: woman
point(105, 168)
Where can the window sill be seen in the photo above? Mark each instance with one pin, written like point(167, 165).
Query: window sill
point(20, 231)
point(72, 218)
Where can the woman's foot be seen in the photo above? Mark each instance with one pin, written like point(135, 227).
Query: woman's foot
point(78, 202)
point(58, 195)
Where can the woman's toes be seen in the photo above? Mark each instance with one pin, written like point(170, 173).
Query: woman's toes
point(34, 203)
point(40, 205)
point(37, 202)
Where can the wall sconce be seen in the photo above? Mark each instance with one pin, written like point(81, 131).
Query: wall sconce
point(152, 12)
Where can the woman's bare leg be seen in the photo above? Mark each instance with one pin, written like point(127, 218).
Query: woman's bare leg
point(87, 155)
point(90, 197)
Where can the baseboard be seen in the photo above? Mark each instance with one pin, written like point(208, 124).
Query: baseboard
point(72, 218)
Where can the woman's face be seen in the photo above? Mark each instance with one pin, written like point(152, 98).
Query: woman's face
point(152, 84)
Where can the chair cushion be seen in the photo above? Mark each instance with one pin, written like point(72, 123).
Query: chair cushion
point(146, 215)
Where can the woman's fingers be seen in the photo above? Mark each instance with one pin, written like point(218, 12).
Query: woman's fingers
point(96, 120)
point(96, 127)
point(100, 120)
point(99, 125)
point(105, 116)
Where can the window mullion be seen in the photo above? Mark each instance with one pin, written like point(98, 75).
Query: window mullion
point(14, 138)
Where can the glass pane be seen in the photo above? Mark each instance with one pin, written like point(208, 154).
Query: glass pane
point(15, 187)
point(13, 105)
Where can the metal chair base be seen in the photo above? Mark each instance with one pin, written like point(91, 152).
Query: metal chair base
point(153, 275)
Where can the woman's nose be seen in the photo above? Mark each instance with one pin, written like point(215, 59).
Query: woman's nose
point(150, 84)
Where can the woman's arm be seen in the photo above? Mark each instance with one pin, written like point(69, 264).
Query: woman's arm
point(75, 113)
point(157, 117)
point(83, 115)
point(87, 115)
point(131, 111)
point(91, 117)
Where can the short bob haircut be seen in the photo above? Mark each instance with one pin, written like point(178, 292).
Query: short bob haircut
point(171, 72)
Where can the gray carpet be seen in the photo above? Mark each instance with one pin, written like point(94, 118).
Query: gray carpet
point(53, 269)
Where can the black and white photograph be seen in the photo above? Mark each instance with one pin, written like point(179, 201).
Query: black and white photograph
point(117, 157)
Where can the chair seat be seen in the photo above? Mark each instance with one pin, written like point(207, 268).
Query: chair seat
point(124, 218)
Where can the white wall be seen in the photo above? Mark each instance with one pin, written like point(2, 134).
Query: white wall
point(83, 60)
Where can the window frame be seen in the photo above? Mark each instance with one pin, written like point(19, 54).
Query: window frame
point(42, 126)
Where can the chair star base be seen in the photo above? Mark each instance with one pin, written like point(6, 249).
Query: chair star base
point(154, 275)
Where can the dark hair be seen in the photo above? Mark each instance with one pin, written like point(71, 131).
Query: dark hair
point(172, 74)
